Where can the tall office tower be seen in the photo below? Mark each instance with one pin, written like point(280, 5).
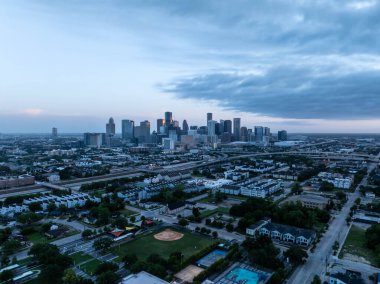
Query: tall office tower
point(237, 129)
point(209, 116)
point(175, 123)
point(185, 126)
point(218, 129)
point(259, 133)
point(221, 126)
point(127, 129)
point(54, 132)
point(282, 135)
point(244, 134)
point(173, 135)
point(144, 135)
point(110, 127)
point(228, 126)
point(211, 127)
point(266, 131)
point(168, 118)
point(160, 122)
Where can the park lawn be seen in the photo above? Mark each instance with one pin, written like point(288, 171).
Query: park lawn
point(207, 213)
point(145, 245)
point(37, 238)
point(355, 244)
point(90, 267)
point(127, 212)
point(80, 257)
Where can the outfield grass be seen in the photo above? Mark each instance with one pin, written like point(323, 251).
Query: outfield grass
point(355, 244)
point(79, 257)
point(90, 267)
point(144, 246)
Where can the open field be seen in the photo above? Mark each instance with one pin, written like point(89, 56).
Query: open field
point(207, 213)
point(355, 245)
point(145, 245)
point(79, 257)
point(90, 267)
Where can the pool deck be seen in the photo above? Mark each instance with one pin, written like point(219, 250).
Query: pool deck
point(222, 279)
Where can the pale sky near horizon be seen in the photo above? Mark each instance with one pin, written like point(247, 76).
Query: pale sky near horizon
point(304, 66)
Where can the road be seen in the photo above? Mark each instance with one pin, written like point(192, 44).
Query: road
point(318, 261)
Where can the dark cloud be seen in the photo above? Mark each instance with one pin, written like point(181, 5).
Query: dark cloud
point(288, 92)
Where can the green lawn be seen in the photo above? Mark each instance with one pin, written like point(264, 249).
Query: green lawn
point(37, 238)
point(79, 257)
point(355, 244)
point(207, 213)
point(128, 213)
point(90, 267)
point(144, 246)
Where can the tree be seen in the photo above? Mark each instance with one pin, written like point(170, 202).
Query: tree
point(35, 206)
point(87, 233)
point(108, 277)
point(132, 219)
point(316, 280)
point(69, 277)
point(326, 186)
point(229, 227)
point(196, 212)
point(102, 244)
point(296, 188)
point(6, 276)
point(51, 207)
point(11, 246)
point(296, 255)
point(183, 222)
point(28, 218)
point(214, 234)
point(129, 259)
point(106, 266)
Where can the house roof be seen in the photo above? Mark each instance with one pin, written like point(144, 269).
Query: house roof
point(347, 278)
point(285, 229)
point(117, 233)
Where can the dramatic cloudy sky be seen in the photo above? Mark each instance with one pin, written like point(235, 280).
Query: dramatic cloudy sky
point(305, 66)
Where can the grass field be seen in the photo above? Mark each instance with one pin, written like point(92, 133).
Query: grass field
point(355, 244)
point(207, 213)
point(79, 257)
point(90, 267)
point(144, 246)
point(127, 212)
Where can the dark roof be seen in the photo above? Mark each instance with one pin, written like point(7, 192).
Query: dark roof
point(176, 205)
point(347, 278)
point(284, 229)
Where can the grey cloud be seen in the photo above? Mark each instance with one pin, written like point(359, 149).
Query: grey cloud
point(288, 92)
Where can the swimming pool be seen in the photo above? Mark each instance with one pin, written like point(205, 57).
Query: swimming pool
point(238, 274)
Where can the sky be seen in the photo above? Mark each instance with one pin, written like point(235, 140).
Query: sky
point(303, 66)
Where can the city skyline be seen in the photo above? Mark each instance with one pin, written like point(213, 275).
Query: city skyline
point(73, 65)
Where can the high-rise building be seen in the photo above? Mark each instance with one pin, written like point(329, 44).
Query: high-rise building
point(259, 133)
point(282, 135)
point(168, 144)
point(93, 139)
point(228, 126)
point(110, 127)
point(209, 116)
point(266, 131)
point(144, 132)
point(237, 122)
point(211, 127)
point(54, 132)
point(128, 129)
point(160, 122)
point(244, 134)
point(185, 126)
point(168, 119)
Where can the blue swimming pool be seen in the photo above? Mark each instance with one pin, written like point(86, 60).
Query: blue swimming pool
point(238, 274)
